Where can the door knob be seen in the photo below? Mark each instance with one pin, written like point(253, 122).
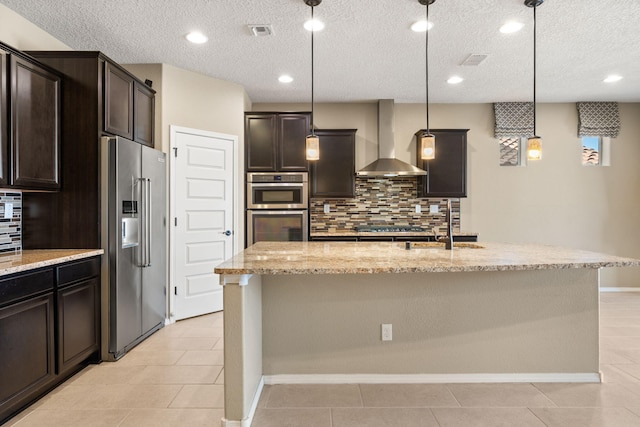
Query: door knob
point(227, 233)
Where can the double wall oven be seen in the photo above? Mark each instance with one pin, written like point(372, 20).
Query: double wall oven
point(277, 206)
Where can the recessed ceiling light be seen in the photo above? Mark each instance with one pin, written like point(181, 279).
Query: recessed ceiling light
point(421, 26)
point(612, 78)
point(454, 80)
point(285, 79)
point(511, 27)
point(314, 25)
point(196, 37)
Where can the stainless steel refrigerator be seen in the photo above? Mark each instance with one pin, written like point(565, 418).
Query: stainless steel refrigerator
point(134, 234)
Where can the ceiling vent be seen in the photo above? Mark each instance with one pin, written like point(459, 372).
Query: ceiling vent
point(260, 30)
point(474, 59)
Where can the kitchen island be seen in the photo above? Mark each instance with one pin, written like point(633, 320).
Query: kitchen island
point(311, 312)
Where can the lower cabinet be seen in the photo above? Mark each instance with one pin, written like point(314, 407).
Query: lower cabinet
point(49, 328)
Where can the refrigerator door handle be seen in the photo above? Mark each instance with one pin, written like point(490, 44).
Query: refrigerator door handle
point(143, 222)
point(148, 214)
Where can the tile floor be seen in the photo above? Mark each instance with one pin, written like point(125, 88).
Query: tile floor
point(175, 378)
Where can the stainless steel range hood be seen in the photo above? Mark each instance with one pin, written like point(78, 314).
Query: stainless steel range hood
point(387, 164)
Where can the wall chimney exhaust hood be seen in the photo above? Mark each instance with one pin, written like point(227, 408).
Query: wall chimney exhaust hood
point(387, 164)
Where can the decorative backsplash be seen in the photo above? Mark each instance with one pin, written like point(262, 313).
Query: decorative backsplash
point(10, 228)
point(382, 201)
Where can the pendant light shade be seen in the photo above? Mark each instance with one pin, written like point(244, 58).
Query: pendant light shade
point(534, 143)
point(427, 140)
point(312, 140)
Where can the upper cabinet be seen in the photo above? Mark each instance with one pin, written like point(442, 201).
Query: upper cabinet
point(275, 142)
point(334, 176)
point(447, 173)
point(29, 124)
point(118, 101)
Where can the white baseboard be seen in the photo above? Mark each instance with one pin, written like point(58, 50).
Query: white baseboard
point(614, 289)
point(580, 377)
point(246, 422)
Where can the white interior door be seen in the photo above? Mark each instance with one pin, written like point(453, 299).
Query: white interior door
point(203, 200)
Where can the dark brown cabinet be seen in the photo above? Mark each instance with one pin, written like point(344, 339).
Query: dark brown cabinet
point(99, 98)
point(275, 142)
point(30, 123)
point(49, 329)
point(447, 173)
point(333, 176)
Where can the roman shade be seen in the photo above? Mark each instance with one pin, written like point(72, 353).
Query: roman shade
point(598, 119)
point(513, 119)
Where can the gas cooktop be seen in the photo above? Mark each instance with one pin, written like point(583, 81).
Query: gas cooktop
point(389, 228)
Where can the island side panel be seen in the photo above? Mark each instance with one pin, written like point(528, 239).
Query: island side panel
point(510, 322)
point(242, 346)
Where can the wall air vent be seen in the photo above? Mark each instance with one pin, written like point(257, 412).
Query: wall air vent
point(474, 59)
point(260, 30)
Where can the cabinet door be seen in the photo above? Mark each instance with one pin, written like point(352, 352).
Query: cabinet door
point(292, 132)
point(118, 101)
point(333, 176)
point(260, 142)
point(4, 109)
point(78, 323)
point(35, 126)
point(144, 113)
point(27, 351)
point(447, 173)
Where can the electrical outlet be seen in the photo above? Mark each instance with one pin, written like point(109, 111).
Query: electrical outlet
point(433, 209)
point(327, 208)
point(387, 331)
point(418, 209)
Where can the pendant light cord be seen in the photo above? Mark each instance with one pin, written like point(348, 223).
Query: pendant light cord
point(427, 66)
point(312, 31)
point(534, 70)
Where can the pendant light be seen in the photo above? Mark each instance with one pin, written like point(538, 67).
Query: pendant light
point(427, 140)
point(312, 140)
point(534, 143)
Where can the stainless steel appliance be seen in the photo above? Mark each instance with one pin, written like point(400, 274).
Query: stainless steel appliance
point(277, 206)
point(134, 230)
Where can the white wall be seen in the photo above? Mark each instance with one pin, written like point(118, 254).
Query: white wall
point(555, 201)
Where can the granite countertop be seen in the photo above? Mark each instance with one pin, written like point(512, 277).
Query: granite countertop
point(32, 259)
point(392, 257)
point(349, 233)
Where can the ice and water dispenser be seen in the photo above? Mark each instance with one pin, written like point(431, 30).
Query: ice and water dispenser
point(129, 223)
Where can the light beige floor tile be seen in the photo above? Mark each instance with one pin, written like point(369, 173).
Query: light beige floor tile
point(199, 396)
point(220, 379)
point(589, 395)
point(407, 395)
point(499, 395)
point(292, 417)
point(620, 321)
point(150, 358)
point(107, 373)
point(74, 418)
point(202, 357)
point(632, 354)
point(620, 331)
point(203, 332)
point(614, 357)
point(178, 375)
point(113, 396)
point(633, 370)
point(173, 418)
point(613, 374)
point(587, 417)
point(606, 312)
point(219, 345)
point(486, 417)
point(382, 417)
point(264, 396)
point(314, 396)
point(622, 343)
point(179, 343)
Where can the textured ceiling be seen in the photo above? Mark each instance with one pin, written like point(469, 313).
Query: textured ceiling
point(367, 51)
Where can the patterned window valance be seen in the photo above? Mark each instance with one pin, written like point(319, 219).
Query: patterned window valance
point(513, 119)
point(598, 119)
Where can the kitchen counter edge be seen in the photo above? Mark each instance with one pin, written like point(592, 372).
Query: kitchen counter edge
point(32, 259)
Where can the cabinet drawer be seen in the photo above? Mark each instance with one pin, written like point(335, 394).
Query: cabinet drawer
point(24, 285)
point(77, 271)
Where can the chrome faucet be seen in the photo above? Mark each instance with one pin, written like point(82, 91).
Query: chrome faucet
point(448, 239)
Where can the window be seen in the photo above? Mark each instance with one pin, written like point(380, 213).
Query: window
point(511, 151)
point(595, 151)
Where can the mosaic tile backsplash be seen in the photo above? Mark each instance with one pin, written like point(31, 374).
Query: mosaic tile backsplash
point(382, 201)
point(10, 228)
